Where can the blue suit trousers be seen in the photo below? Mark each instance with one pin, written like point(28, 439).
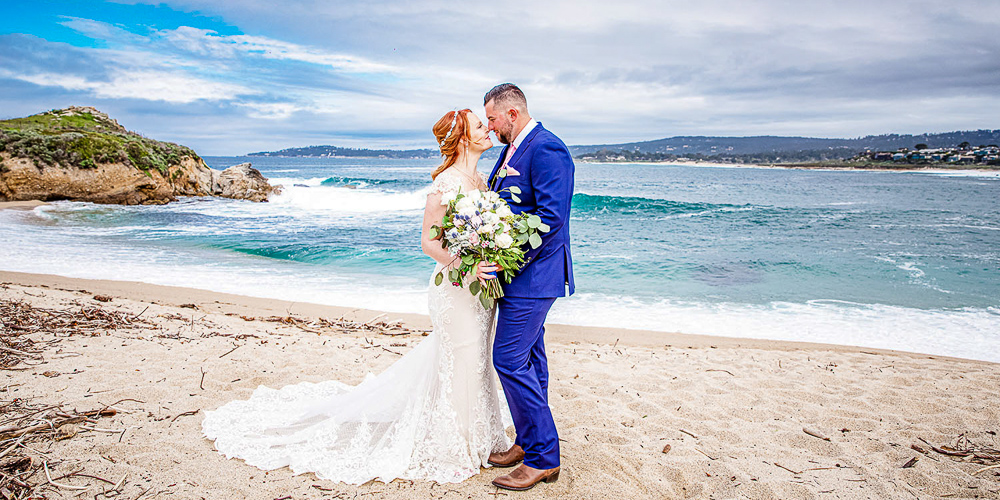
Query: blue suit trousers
point(519, 358)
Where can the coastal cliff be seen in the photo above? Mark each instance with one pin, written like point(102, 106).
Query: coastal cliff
point(82, 154)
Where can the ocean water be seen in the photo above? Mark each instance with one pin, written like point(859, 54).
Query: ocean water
point(901, 260)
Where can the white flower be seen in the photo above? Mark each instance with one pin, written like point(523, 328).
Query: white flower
point(491, 218)
point(504, 240)
point(504, 211)
point(448, 197)
point(464, 204)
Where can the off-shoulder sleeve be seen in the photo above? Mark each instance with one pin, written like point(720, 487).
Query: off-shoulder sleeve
point(445, 183)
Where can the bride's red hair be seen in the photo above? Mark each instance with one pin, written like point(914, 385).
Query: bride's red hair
point(449, 146)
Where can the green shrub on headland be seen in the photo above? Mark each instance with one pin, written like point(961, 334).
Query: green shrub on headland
point(84, 138)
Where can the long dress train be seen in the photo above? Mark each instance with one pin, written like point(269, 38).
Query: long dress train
point(435, 414)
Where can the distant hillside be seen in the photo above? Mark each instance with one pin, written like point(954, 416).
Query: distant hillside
point(738, 149)
point(352, 152)
point(738, 146)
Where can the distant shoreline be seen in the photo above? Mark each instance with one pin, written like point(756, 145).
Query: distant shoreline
point(807, 166)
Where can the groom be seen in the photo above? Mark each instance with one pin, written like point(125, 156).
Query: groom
point(540, 165)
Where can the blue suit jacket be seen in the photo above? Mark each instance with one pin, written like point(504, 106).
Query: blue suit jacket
point(546, 181)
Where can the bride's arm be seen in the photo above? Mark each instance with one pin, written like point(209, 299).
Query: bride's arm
point(433, 213)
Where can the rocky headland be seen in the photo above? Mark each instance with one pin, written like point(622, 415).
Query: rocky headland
point(82, 154)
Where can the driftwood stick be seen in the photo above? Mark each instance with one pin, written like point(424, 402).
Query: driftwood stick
point(179, 415)
point(19, 353)
point(45, 465)
point(815, 433)
point(92, 477)
point(231, 350)
point(98, 429)
point(688, 433)
point(140, 314)
point(15, 445)
point(786, 468)
point(984, 469)
point(717, 370)
point(372, 321)
point(41, 427)
point(119, 484)
point(945, 452)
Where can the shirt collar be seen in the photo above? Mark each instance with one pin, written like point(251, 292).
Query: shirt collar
point(528, 127)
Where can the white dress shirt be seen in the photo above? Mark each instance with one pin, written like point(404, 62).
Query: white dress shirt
point(528, 127)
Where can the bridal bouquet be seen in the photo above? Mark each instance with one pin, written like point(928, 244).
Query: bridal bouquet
point(479, 226)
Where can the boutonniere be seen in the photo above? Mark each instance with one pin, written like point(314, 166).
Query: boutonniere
point(506, 171)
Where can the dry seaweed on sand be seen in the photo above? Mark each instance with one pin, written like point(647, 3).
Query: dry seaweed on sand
point(378, 324)
point(17, 317)
point(966, 450)
point(26, 472)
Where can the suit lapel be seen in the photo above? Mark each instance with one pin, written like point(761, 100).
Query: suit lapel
point(496, 168)
point(525, 144)
point(516, 157)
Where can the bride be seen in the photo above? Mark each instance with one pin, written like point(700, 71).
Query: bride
point(435, 414)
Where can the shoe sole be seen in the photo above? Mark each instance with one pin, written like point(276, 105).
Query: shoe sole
point(550, 479)
point(495, 464)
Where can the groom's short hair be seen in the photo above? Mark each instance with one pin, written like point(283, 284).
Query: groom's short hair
point(506, 95)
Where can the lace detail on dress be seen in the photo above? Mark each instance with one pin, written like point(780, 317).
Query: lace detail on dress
point(445, 182)
point(435, 414)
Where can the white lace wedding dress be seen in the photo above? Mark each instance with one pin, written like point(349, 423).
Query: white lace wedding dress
point(435, 414)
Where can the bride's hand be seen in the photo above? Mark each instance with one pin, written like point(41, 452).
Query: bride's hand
point(486, 271)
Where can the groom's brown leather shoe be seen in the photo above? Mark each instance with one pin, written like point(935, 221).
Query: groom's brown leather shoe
point(507, 458)
point(525, 478)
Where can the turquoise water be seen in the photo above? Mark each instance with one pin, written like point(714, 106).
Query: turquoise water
point(883, 259)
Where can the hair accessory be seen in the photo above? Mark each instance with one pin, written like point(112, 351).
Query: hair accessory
point(451, 129)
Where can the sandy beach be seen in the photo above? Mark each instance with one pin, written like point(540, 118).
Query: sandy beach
point(640, 414)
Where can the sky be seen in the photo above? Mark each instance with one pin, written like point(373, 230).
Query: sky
point(228, 77)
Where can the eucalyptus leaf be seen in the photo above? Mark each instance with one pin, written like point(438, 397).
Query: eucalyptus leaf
point(439, 278)
point(502, 173)
point(515, 198)
point(485, 300)
point(534, 240)
point(475, 287)
point(543, 227)
point(534, 221)
point(515, 190)
point(435, 232)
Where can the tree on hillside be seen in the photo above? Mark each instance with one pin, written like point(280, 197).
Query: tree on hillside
point(920, 146)
point(964, 145)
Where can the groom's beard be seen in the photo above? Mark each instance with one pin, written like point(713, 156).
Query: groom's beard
point(504, 136)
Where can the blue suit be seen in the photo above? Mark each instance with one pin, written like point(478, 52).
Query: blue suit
point(545, 179)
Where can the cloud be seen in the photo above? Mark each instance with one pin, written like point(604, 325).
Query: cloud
point(595, 72)
point(270, 110)
point(146, 85)
point(209, 43)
